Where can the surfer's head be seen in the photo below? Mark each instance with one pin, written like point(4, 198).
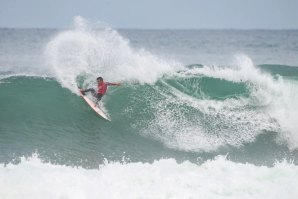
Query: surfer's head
point(99, 79)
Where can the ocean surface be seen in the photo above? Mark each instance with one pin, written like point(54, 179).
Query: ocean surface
point(200, 113)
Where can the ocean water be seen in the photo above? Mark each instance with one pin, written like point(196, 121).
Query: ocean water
point(200, 113)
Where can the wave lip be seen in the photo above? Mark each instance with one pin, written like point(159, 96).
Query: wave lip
point(101, 52)
point(198, 122)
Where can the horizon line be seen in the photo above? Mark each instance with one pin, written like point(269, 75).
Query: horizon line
point(122, 28)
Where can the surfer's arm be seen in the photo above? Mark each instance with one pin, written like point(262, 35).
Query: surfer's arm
point(113, 84)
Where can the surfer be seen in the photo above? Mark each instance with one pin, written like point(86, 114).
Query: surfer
point(102, 89)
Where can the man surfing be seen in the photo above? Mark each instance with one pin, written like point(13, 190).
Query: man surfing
point(102, 89)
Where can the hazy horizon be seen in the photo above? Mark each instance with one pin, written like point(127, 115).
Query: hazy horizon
point(168, 14)
point(182, 29)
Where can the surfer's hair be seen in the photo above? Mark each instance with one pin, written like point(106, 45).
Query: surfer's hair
point(99, 78)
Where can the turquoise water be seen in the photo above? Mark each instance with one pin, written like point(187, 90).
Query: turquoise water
point(45, 118)
point(215, 104)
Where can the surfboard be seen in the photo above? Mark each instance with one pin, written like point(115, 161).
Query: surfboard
point(95, 108)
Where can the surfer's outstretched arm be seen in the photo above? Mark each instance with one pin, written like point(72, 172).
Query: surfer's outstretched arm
point(113, 84)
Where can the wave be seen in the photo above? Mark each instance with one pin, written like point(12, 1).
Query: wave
point(198, 109)
point(78, 56)
point(247, 103)
point(190, 108)
point(165, 178)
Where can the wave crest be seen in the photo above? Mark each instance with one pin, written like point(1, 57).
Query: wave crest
point(101, 52)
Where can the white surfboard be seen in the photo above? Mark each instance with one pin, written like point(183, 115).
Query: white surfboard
point(95, 108)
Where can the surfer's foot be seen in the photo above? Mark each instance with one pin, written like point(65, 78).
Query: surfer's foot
point(82, 91)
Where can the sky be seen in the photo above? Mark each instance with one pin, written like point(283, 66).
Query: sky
point(152, 14)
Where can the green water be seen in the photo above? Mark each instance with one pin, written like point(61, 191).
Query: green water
point(39, 116)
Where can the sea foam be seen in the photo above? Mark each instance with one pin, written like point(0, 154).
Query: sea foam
point(219, 178)
point(188, 123)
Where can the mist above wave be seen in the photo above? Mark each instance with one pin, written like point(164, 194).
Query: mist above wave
point(101, 52)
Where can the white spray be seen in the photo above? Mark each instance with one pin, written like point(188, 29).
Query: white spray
point(219, 178)
point(232, 121)
point(101, 52)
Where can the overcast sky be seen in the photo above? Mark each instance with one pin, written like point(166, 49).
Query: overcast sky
point(153, 14)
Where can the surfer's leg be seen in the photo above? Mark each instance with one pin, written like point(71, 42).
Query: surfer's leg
point(98, 97)
point(89, 90)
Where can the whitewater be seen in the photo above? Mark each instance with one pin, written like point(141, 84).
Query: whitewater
point(218, 178)
point(200, 113)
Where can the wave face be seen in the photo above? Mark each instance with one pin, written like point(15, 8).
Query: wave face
point(198, 110)
point(173, 118)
